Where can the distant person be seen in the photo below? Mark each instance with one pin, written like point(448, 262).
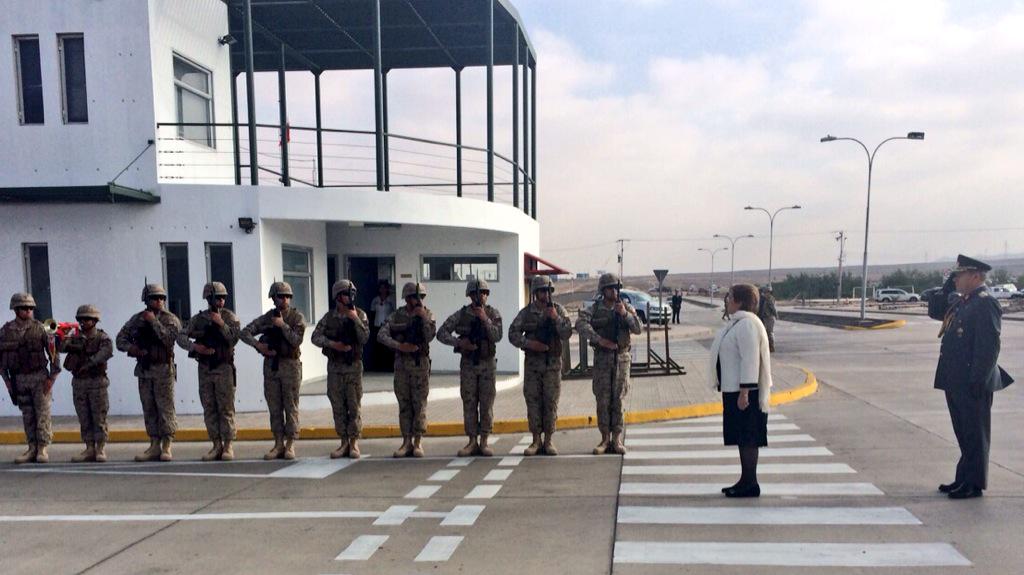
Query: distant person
point(967, 370)
point(382, 306)
point(741, 369)
point(677, 305)
point(768, 314)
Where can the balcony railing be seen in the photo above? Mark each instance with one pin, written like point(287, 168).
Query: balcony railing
point(218, 153)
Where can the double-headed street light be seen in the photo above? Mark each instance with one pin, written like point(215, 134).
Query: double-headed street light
point(867, 210)
point(732, 271)
point(771, 232)
point(711, 282)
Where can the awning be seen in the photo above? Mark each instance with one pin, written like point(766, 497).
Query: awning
point(532, 263)
point(108, 194)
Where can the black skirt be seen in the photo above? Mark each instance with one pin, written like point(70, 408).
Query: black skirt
point(747, 427)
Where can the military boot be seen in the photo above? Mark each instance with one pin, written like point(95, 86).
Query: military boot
point(406, 449)
point(229, 452)
point(29, 456)
point(602, 447)
point(151, 454)
point(89, 454)
point(101, 452)
point(471, 448)
point(41, 454)
point(214, 453)
point(616, 445)
point(484, 449)
point(165, 449)
point(417, 446)
point(277, 450)
point(289, 449)
point(549, 446)
point(353, 448)
point(534, 447)
point(342, 449)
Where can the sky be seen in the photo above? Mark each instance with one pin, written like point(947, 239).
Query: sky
point(659, 120)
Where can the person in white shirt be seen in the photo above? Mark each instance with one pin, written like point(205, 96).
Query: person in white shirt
point(741, 369)
point(381, 358)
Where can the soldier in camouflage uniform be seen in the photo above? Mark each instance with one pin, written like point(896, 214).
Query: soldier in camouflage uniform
point(210, 337)
point(280, 330)
point(607, 326)
point(342, 333)
point(473, 331)
point(29, 366)
point(409, 331)
point(88, 351)
point(541, 329)
point(149, 337)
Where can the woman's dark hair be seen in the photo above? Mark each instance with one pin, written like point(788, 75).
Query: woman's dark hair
point(746, 296)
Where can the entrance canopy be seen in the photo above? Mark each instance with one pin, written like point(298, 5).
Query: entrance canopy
point(532, 264)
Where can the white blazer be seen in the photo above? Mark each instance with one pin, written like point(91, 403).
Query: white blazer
point(742, 347)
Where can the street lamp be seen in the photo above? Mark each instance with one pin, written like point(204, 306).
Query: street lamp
point(771, 232)
point(732, 271)
point(711, 283)
point(867, 210)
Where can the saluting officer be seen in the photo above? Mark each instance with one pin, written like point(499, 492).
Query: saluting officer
point(210, 337)
point(473, 331)
point(967, 369)
point(608, 325)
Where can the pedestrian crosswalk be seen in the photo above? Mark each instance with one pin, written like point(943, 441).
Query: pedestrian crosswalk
point(670, 514)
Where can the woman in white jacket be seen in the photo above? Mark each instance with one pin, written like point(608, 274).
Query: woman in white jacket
point(741, 369)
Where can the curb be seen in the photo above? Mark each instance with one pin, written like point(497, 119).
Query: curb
point(441, 429)
point(887, 325)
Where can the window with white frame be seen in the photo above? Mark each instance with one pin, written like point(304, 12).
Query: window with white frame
point(29, 78)
point(297, 264)
point(460, 268)
point(73, 96)
point(193, 97)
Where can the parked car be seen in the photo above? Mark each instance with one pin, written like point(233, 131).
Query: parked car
point(640, 301)
point(895, 294)
point(927, 294)
point(1003, 291)
point(1017, 295)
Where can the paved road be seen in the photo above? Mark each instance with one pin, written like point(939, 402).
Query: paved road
point(848, 483)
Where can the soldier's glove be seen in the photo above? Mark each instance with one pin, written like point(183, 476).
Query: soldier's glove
point(950, 284)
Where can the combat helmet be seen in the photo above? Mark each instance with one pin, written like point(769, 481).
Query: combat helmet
point(153, 290)
point(22, 299)
point(214, 289)
point(87, 311)
point(477, 285)
point(411, 289)
point(539, 283)
point(608, 280)
point(342, 286)
point(280, 288)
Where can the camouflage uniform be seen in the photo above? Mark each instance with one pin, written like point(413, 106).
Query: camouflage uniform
point(28, 359)
point(412, 370)
point(216, 372)
point(477, 369)
point(344, 369)
point(155, 370)
point(87, 357)
point(282, 374)
point(611, 368)
point(542, 377)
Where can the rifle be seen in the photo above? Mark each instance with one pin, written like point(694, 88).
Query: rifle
point(477, 334)
point(414, 333)
point(12, 390)
point(346, 335)
point(547, 334)
point(209, 335)
point(273, 338)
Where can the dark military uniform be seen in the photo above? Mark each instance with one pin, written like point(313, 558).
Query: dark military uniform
point(968, 374)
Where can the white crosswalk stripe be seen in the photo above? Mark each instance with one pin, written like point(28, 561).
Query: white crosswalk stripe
point(729, 453)
point(674, 441)
point(763, 469)
point(703, 429)
point(790, 554)
point(362, 548)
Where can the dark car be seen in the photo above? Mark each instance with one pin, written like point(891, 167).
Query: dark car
point(1017, 295)
point(927, 294)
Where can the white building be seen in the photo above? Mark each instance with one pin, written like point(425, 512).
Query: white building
point(90, 88)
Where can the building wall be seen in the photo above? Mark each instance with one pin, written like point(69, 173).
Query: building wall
point(119, 91)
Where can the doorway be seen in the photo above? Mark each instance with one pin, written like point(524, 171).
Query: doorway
point(366, 272)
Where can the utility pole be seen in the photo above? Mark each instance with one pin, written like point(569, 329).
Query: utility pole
point(622, 248)
point(841, 238)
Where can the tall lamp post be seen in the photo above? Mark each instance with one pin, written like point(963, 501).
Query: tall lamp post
point(771, 232)
point(732, 268)
point(711, 282)
point(867, 210)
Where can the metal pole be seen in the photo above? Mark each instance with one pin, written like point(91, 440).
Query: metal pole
point(384, 113)
point(533, 141)
point(282, 95)
point(378, 96)
point(711, 285)
point(867, 221)
point(458, 132)
point(526, 130)
point(234, 130)
point(490, 100)
point(319, 133)
point(515, 122)
point(771, 245)
point(732, 268)
point(250, 97)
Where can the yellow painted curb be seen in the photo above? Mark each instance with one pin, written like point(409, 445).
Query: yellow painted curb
point(887, 325)
point(441, 429)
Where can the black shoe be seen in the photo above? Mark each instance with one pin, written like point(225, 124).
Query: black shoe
point(965, 492)
point(733, 486)
point(949, 487)
point(753, 490)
